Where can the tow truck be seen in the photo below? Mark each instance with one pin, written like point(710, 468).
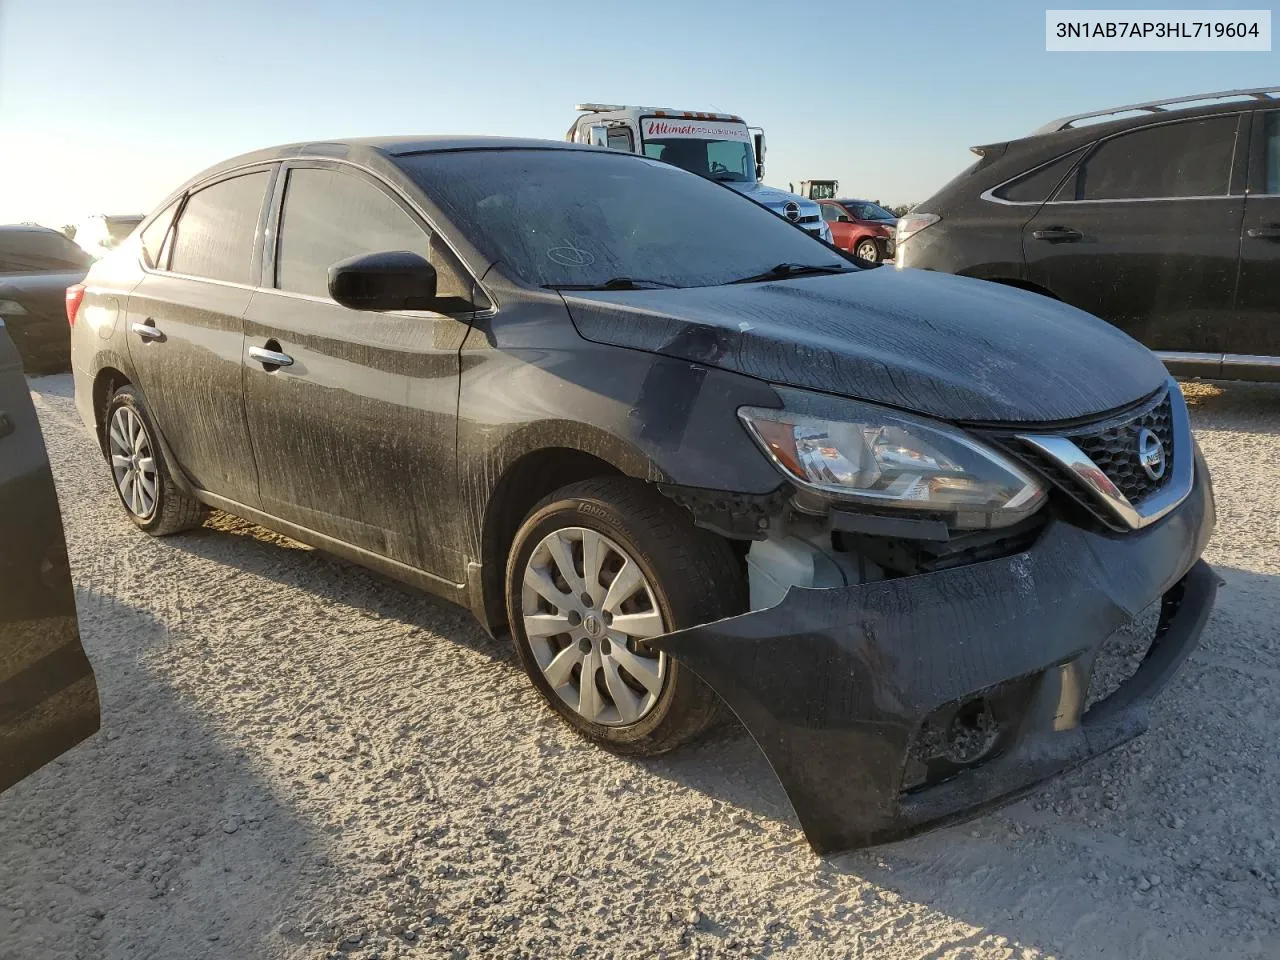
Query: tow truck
point(718, 146)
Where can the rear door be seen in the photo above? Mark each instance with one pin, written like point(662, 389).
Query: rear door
point(186, 329)
point(356, 437)
point(1258, 294)
point(48, 697)
point(1145, 232)
point(842, 231)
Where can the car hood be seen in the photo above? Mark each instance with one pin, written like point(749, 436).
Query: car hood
point(946, 346)
point(773, 198)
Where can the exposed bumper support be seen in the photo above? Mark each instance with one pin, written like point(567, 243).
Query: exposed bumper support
point(836, 686)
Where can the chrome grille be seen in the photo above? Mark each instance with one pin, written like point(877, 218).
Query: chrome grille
point(1115, 449)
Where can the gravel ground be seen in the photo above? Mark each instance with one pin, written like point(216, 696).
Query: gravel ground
point(298, 760)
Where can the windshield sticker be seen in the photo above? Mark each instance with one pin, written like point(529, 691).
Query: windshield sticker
point(571, 256)
point(657, 128)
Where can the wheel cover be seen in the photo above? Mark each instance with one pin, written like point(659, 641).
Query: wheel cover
point(132, 463)
point(587, 609)
point(868, 250)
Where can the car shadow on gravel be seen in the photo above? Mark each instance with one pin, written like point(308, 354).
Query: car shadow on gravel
point(155, 837)
point(230, 540)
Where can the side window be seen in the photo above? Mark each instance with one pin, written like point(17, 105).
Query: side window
point(1187, 159)
point(154, 233)
point(1269, 182)
point(1037, 185)
point(214, 236)
point(830, 212)
point(329, 216)
point(619, 138)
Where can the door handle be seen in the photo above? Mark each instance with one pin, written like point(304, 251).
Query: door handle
point(147, 331)
point(270, 358)
point(1058, 234)
point(1265, 233)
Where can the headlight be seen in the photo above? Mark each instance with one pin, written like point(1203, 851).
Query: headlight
point(893, 460)
point(12, 308)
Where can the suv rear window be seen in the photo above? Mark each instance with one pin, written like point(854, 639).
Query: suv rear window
point(1191, 158)
point(215, 233)
point(39, 251)
point(1036, 186)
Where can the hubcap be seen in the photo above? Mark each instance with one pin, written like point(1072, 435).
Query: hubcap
point(588, 609)
point(868, 251)
point(132, 463)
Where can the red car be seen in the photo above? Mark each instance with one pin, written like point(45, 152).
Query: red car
point(863, 228)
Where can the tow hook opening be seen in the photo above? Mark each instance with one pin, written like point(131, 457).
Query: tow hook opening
point(965, 733)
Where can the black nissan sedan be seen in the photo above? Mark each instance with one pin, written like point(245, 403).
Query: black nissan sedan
point(686, 454)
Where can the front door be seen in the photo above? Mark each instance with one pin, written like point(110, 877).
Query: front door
point(1258, 295)
point(1145, 233)
point(186, 333)
point(355, 437)
point(48, 697)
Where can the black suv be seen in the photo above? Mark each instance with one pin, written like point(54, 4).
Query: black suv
point(1166, 224)
point(675, 445)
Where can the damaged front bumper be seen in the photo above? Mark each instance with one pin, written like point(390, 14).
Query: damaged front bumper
point(892, 706)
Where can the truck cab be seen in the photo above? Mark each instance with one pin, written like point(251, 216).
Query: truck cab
point(817, 189)
point(718, 146)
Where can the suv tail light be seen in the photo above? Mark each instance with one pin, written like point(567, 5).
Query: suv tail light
point(75, 294)
point(913, 223)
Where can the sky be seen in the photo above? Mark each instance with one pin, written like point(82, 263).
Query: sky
point(107, 106)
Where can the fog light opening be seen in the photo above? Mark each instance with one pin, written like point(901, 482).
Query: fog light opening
point(972, 733)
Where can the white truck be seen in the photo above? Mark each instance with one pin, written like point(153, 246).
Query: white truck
point(718, 146)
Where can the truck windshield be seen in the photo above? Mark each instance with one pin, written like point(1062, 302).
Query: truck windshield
point(718, 150)
point(560, 217)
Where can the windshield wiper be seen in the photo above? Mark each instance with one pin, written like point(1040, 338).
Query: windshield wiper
point(728, 178)
point(782, 271)
point(615, 283)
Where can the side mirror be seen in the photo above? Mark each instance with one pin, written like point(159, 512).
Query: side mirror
point(395, 280)
point(758, 139)
point(598, 135)
point(844, 218)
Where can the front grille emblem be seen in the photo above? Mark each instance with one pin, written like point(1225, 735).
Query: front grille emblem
point(791, 211)
point(1151, 454)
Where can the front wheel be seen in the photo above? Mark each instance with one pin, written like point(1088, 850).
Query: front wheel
point(868, 250)
point(596, 570)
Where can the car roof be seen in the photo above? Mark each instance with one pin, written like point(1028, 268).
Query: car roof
point(28, 228)
point(378, 153)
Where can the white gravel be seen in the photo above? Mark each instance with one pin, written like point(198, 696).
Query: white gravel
point(298, 760)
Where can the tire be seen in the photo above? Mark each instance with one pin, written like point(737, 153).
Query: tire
point(158, 507)
point(690, 576)
point(867, 249)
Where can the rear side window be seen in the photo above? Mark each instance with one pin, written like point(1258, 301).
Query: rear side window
point(619, 138)
point(830, 212)
point(154, 233)
point(329, 216)
point(214, 235)
point(1036, 186)
point(1271, 155)
point(39, 251)
point(1187, 159)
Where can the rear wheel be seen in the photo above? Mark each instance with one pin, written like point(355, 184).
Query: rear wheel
point(867, 249)
point(597, 570)
point(141, 478)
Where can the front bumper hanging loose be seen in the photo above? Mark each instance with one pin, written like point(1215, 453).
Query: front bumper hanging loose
point(848, 690)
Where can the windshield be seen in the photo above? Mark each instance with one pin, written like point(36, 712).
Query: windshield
point(561, 217)
point(720, 150)
point(865, 210)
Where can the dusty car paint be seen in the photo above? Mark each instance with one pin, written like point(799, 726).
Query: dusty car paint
point(48, 696)
point(418, 448)
point(947, 347)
